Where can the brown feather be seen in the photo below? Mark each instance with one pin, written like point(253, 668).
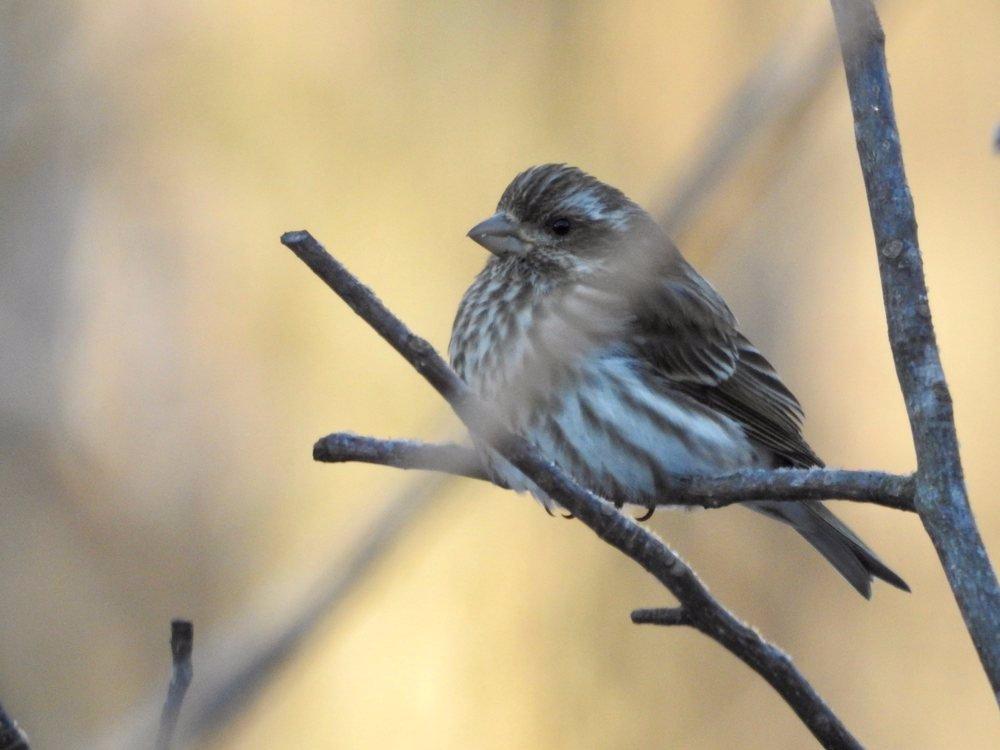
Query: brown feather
point(689, 338)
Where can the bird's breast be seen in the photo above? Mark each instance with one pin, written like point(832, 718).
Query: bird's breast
point(590, 409)
point(495, 336)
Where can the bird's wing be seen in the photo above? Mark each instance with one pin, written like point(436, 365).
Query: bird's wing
point(687, 336)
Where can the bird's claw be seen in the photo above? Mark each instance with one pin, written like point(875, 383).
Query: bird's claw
point(647, 515)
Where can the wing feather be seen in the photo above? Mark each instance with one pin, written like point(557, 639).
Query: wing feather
point(685, 333)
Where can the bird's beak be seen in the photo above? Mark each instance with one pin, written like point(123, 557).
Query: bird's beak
point(499, 234)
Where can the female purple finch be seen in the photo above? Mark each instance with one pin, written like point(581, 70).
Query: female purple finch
point(601, 345)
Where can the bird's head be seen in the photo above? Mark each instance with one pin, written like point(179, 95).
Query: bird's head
point(561, 211)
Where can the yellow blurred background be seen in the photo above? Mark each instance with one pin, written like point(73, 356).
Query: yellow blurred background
point(167, 365)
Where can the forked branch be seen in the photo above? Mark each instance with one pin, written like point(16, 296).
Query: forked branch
point(941, 498)
point(702, 610)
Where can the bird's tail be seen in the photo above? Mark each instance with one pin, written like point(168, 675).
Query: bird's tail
point(835, 541)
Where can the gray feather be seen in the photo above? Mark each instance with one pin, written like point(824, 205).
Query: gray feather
point(835, 541)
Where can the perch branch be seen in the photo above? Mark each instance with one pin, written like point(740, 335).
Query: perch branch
point(706, 614)
point(181, 643)
point(941, 498)
point(444, 458)
point(890, 490)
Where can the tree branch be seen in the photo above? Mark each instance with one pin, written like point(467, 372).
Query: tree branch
point(618, 530)
point(889, 490)
point(941, 498)
point(661, 616)
point(181, 644)
point(444, 458)
point(12, 737)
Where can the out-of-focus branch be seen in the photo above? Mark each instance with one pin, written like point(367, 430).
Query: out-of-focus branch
point(181, 644)
point(706, 614)
point(661, 616)
point(11, 735)
point(234, 686)
point(786, 80)
point(878, 488)
point(941, 498)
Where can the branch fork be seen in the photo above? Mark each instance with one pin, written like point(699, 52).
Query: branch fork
point(937, 491)
point(698, 608)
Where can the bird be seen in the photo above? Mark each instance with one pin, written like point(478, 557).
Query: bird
point(594, 339)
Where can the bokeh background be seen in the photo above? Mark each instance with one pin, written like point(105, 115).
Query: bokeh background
point(167, 365)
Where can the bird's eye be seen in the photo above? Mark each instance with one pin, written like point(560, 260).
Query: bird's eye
point(561, 227)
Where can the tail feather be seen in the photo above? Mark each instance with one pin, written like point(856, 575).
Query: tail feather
point(835, 541)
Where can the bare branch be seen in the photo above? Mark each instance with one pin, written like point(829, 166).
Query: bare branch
point(445, 458)
point(181, 643)
point(941, 498)
point(878, 488)
point(11, 735)
point(618, 530)
point(661, 616)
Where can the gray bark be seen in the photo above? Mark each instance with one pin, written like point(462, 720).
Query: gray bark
point(941, 498)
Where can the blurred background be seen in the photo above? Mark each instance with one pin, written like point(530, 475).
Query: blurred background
point(167, 365)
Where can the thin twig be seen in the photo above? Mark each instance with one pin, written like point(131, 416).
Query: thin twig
point(12, 737)
point(874, 487)
point(941, 498)
point(706, 613)
point(661, 616)
point(444, 458)
point(181, 643)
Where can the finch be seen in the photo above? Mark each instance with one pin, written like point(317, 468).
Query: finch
point(595, 340)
